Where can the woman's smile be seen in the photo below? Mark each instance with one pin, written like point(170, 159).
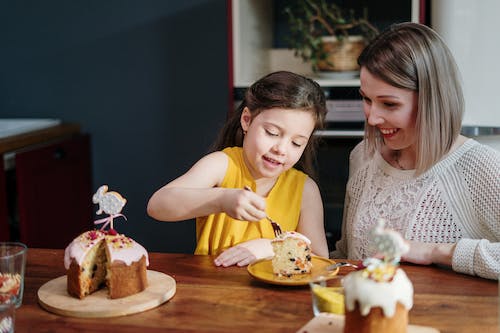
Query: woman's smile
point(390, 109)
point(388, 133)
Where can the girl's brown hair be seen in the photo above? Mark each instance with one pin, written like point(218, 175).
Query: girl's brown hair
point(285, 90)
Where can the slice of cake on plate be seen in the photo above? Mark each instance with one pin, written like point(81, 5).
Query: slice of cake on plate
point(292, 254)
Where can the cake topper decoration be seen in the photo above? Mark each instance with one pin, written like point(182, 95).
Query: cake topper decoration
point(388, 242)
point(110, 203)
point(391, 246)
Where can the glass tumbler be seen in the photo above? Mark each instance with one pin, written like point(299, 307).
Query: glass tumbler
point(327, 295)
point(12, 266)
point(7, 313)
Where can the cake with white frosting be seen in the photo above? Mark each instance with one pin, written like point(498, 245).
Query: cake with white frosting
point(379, 295)
point(96, 259)
point(99, 258)
point(292, 254)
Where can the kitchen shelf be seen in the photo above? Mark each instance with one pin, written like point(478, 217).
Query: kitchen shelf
point(341, 133)
point(254, 51)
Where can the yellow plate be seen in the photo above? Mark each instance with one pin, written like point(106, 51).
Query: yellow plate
point(263, 270)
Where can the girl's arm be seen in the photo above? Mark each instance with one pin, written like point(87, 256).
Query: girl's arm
point(311, 222)
point(195, 193)
point(245, 253)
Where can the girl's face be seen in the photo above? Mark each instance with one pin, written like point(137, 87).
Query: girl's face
point(275, 140)
point(390, 109)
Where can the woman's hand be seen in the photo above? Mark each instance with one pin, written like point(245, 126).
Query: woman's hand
point(429, 253)
point(245, 253)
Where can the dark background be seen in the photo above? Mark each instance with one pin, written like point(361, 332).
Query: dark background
point(148, 80)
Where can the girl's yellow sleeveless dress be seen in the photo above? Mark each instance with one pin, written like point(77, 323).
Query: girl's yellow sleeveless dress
point(217, 232)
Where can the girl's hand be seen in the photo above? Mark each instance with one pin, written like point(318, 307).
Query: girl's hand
point(243, 205)
point(429, 253)
point(245, 253)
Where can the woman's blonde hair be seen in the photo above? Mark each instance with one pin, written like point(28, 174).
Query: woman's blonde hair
point(413, 56)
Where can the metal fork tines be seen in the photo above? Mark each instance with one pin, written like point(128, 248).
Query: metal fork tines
point(276, 227)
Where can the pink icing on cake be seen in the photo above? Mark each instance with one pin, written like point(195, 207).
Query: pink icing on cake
point(120, 247)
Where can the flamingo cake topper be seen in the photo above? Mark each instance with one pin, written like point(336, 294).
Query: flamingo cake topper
point(110, 203)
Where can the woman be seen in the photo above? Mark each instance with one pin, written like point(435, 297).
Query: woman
point(436, 187)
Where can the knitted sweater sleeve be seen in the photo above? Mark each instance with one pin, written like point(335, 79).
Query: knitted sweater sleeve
point(479, 252)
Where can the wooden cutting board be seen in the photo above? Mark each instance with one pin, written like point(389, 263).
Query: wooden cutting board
point(53, 297)
point(333, 323)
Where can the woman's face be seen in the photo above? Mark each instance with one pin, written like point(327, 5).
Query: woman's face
point(275, 140)
point(392, 110)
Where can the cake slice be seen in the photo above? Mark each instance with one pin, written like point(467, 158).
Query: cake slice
point(292, 254)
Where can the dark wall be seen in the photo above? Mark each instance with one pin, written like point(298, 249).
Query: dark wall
point(146, 79)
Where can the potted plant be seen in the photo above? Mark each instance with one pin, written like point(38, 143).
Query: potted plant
point(328, 36)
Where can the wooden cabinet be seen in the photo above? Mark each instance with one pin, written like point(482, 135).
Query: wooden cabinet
point(54, 192)
point(49, 192)
point(4, 222)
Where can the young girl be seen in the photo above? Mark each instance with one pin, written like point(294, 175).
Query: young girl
point(438, 188)
point(259, 146)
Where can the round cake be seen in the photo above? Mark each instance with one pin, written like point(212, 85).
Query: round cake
point(292, 254)
point(379, 295)
point(99, 258)
point(377, 299)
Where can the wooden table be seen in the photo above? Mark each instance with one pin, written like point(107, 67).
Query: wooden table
point(213, 299)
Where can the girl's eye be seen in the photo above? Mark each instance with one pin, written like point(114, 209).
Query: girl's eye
point(297, 144)
point(271, 133)
point(366, 100)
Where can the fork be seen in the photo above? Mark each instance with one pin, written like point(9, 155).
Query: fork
point(274, 224)
point(329, 272)
point(339, 264)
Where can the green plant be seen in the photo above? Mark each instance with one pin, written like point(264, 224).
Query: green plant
point(311, 20)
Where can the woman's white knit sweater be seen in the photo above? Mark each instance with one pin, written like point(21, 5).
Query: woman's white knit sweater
point(456, 201)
